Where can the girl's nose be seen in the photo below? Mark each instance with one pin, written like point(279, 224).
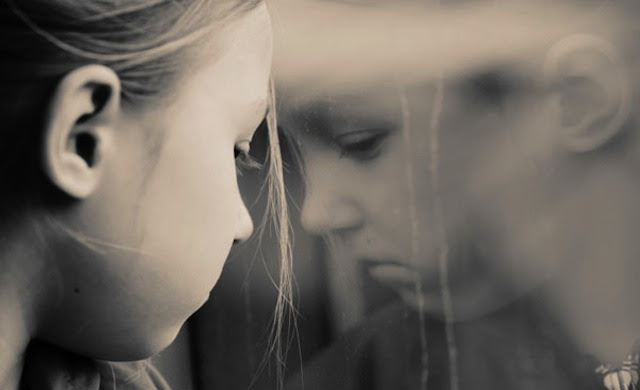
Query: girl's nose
point(244, 228)
point(327, 204)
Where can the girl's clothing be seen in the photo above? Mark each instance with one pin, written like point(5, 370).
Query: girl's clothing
point(518, 347)
point(48, 368)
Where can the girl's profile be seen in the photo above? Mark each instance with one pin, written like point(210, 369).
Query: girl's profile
point(123, 127)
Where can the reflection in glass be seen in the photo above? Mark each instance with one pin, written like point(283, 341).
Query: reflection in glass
point(469, 167)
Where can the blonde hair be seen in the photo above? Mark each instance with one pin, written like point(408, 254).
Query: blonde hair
point(278, 211)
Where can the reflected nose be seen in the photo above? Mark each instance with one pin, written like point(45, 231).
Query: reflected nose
point(322, 217)
point(245, 225)
point(328, 205)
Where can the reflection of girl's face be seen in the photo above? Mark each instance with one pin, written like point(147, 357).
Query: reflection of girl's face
point(370, 188)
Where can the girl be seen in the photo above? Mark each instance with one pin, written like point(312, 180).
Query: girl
point(479, 161)
point(122, 127)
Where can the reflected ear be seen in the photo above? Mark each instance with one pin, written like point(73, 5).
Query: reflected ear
point(591, 95)
point(82, 115)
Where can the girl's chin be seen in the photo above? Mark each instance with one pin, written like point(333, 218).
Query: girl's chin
point(137, 343)
point(465, 304)
point(153, 345)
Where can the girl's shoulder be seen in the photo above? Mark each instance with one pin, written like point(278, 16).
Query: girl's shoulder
point(49, 368)
point(131, 376)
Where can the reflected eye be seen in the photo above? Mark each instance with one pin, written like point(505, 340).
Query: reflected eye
point(362, 145)
point(243, 160)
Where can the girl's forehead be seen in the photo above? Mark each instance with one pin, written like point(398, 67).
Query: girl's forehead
point(368, 45)
point(363, 108)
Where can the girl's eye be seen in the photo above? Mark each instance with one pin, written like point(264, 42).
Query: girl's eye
point(361, 145)
point(243, 160)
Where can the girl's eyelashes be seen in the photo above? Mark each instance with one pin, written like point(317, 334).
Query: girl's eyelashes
point(361, 145)
point(242, 147)
point(243, 160)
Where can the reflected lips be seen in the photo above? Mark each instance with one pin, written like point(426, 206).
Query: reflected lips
point(392, 273)
point(404, 280)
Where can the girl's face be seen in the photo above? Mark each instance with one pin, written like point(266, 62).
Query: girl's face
point(163, 222)
point(370, 187)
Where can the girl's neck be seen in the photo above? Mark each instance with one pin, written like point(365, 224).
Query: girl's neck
point(14, 339)
point(598, 305)
point(20, 285)
point(595, 289)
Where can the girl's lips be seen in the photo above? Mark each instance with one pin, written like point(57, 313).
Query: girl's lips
point(393, 274)
point(402, 277)
point(408, 284)
point(473, 296)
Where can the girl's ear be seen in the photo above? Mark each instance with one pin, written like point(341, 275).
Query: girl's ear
point(82, 117)
point(592, 97)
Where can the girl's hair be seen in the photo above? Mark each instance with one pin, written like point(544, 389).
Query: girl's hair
point(144, 42)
